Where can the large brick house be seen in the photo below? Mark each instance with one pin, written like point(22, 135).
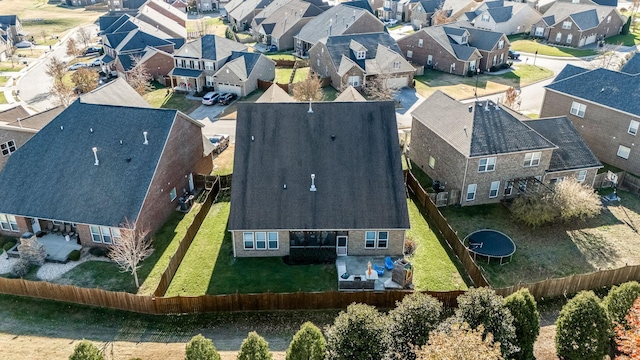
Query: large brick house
point(352, 60)
point(276, 26)
point(487, 152)
point(507, 17)
point(456, 48)
point(604, 106)
point(576, 25)
point(95, 167)
point(293, 186)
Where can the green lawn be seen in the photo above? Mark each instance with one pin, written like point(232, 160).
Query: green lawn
point(422, 177)
point(7, 66)
point(301, 74)
point(280, 55)
point(3, 80)
point(435, 267)
point(158, 98)
point(330, 93)
point(210, 268)
point(631, 39)
point(99, 274)
point(283, 75)
point(531, 46)
point(3, 100)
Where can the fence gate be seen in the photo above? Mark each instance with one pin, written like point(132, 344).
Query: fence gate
point(440, 199)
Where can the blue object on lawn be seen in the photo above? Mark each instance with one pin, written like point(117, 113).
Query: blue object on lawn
point(378, 269)
point(388, 263)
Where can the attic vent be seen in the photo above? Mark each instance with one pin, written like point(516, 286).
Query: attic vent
point(91, 130)
point(61, 127)
point(602, 90)
point(313, 185)
point(146, 141)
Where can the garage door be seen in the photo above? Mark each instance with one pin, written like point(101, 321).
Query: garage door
point(397, 83)
point(229, 89)
point(591, 39)
point(581, 42)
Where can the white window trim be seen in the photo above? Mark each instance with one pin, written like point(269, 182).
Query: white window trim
point(277, 240)
point(566, 25)
point(535, 157)
point(112, 233)
point(558, 37)
point(501, 44)
point(569, 38)
point(432, 162)
point(582, 176)
point(376, 240)
point(622, 148)
point(173, 194)
point(10, 221)
point(420, 42)
point(354, 83)
point(469, 191)
point(497, 189)
point(409, 54)
point(490, 165)
point(578, 109)
point(508, 186)
point(7, 147)
point(633, 127)
point(253, 240)
point(396, 65)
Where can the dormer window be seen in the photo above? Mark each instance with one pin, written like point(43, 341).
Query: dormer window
point(360, 55)
point(566, 25)
point(485, 17)
point(464, 39)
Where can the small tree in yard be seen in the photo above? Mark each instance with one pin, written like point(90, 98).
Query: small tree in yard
point(512, 96)
point(376, 88)
point(360, 333)
point(526, 320)
point(138, 77)
point(310, 88)
point(56, 69)
point(85, 36)
point(130, 249)
point(72, 48)
point(460, 342)
point(307, 344)
point(583, 328)
point(85, 79)
point(483, 307)
point(254, 347)
point(62, 93)
point(201, 348)
point(32, 251)
point(411, 322)
point(620, 300)
point(440, 16)
point(627, 335)
point(85, 350)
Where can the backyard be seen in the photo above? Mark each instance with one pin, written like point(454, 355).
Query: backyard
point(223, 163)
point(284, 74)
point(159, 98)
point(605, 242)
point(518, 43)
point(463, 87)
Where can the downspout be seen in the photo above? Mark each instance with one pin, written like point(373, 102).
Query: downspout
point(464, 180)
point(233, 242)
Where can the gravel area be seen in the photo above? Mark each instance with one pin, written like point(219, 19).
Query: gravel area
point(6, 263)
point(48, 271)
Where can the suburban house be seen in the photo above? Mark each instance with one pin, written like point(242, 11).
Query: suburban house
point(14, 113)
point(196, 62)
point(606, 112)
point(276, 26)
point(207, 5)
point(241, 12)
point(421, 12)
point(632, 66)
point(352, 60)
point(120, 6)
point(12, 138)
point(350, 94)
point(164, 17)
point(507, 17)
point(577, 25)
point(275, 94)
point(11, 29)
point(241, 72)
point(91, 174)
point(82, 2)
point(487, 152)
point(341, 19)
point(35, 121)
point(394, 10)
point(294, 188)
point(455, 48)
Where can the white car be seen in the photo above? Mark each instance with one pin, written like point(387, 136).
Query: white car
point(391, 22)
point(96, 62)
point(77, 66)
point(210, 98)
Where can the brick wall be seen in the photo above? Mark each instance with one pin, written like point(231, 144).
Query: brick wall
point(603, 129)
point(603, 29)
point(283, 246)
point(356, 242)
point(591, 175)
point(442, 59)
point(159, 65)
point(22, 225)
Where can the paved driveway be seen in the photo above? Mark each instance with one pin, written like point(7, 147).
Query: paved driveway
point(207, 111)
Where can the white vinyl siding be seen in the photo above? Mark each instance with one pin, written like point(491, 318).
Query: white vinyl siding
point(487, 164)
point(381, 241)
point(578, 109)
point(471, 192)
point(532, 159)
point(495, 186)
point(633, 127)
point(624, 152)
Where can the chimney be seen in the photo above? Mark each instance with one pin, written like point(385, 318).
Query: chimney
point(313, 185)
point(310, 109)
point(146, 141)
point(95, 155)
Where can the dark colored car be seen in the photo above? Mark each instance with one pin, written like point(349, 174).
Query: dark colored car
point(514, 55)
point(92, 50)
point(226, 99)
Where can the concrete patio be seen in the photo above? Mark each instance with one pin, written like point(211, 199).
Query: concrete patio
point(357, 265)
point(57, 247)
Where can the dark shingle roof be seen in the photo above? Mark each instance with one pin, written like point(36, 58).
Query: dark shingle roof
point(106, 21)
point(569, 71)
point(632, 66)
point(572, 152)
point(281, 144)
point(337, 46)
point(606, 2)
point(141, 39)
point(494, 4)
point(250, 59)
point(501, 14)
point(186, 72)
point(607, 87)
point(127, 61)
point(586, 19)
point(177, 43)
point(339, 18)
point(8, 20)
point(39, 120)
point(483, 39)
point(53, 175)
point(210, 47)
point(430, 6)
point(114, 39)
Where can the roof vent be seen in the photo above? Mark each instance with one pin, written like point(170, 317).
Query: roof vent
point(95, 155)
point(602, 90)
point(146, 141)
point(486, 107)
point(470, 108)
point(496, 106)
point(310, 111)
point(284, 186)
point(120, 142)
point(333, 137)
point(91, 130)
point(19, 122)
point(252, 138)
point(61, 127)
point(313, 184)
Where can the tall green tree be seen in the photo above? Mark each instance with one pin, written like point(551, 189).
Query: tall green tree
point(307, 344)
point(411, 322)
point(526, 320)
point(620, 299)
point(360, 333)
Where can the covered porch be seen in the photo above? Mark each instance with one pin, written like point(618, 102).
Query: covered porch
point(187, 80)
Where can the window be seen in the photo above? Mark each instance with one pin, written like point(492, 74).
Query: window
point(429, 59)
point(539, 31)
point(184, 63)
point(261, 240)
point(247, 239)
point(495, 59)
point(464, 39)
point(4, 222)
point(420, 42)
point(502, 58)
point(8, 147)
point(608, 19)
point(556, 180)
point(501, 44)
point(558, 37)
point(471, 192)
point(566, 25)
point(361, 55)
point(95, 234)
point(485, 17)
point(578, 109)
point(623, 152)
point(396, 65)
point(208, 65)
point(209, 80)
point(532, 159)
point(432, 162)
point(379, 242)
point(508, 188)
point(115, 233)
point(487, 164)
point(409, 54)
point(173, 194)
point(192, 64)
point(495, 185)
point(273, 240)
point(8, 223)
point(318, 62)
point(354, 81)
point(582, 175)
point(569, 38)
point(453, 66)
point(633, 127)
point(106, 234)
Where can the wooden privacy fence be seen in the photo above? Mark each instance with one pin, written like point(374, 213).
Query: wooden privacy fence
point(601, 181)
point(447, 232)
point(264, 85)
point(630, 183)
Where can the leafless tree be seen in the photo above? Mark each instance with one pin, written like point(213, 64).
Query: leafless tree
point(62, 93)
point(310, 88)
point(130, 249)
point(139, 77)
point(376, 88)
point(72, 48)
point(85, 79)
point(606, 58)
point(56, 69)
point(440, 16)
point(43, 34)
point(635, 6)
point(512, 97)
point(11, 51)
point(85, 36)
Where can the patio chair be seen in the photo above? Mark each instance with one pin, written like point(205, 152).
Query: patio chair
point(378, 269)
point(388, 263)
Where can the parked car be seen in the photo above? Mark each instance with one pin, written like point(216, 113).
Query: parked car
point(220, 142)
point(92, 50)
point(391, 22)
point(210, 98)
point(514, 55)
point(96, 62)
point(273, 48)
point(23, 44)
point(77, 66)
point(227, 98)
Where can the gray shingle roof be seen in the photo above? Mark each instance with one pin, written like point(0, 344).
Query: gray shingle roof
point(337, 46)
point(484, 39)
point(439, 34)
point(607, 87)
point(282, 144)
point(39, 120)
point(632, 66)
point(494, 4)
point(53, 175)
point(248, 58)
point(586, 16)
point(10, 20)
point(569, 71)
point(478, 132)
point(282, 19)
point(210, 47)
point(572, 152)
point(12, 114)
point(107, 20)
point(274, 94)
point(186, 72)
point(586, 19)
point(501, 14)
point(114, 39)
point(338, 18)
point(117, 92)
point(141, 40)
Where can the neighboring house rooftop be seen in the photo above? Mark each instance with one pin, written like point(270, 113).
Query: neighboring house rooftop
point(572, 152)
point(632, 66)
point(350, 94)
point(279, 21)
point(442, 35)
point(10, 20)
point(501, 14)
point(275, 94)
point(242, 63)
point(477, 129)
point(610, 88)
point(117, 92)
point(279, 146)
point(209, 47)
point(333, 22)
point(105, 21)
point(39, 120)
point(53, 175)
point(430, 6)
point(14, 113)
point(346, 46)
point(246, 8)
point(138, 40)
point(569, 71)
point(585, 16)
point(484, 39)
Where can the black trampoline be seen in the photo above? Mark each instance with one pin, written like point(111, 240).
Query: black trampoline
point(490, 243)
